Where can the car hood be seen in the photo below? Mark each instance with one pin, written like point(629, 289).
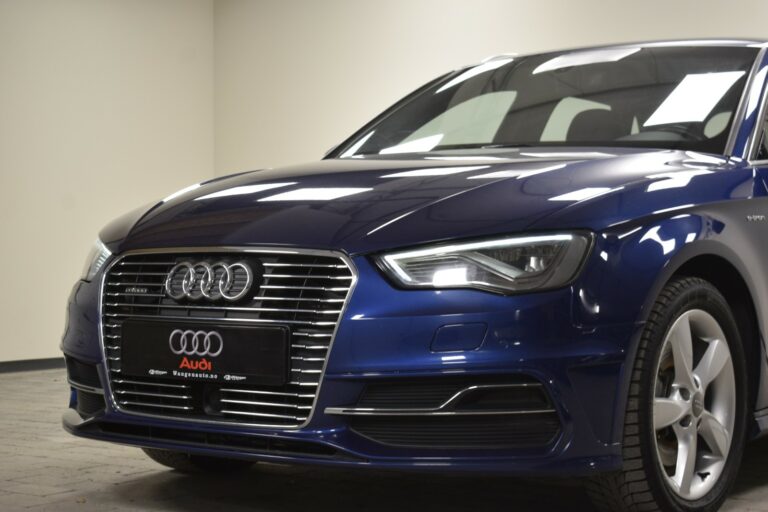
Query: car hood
point(371, 204)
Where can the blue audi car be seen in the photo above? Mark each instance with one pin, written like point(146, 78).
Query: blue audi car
point(544, 265)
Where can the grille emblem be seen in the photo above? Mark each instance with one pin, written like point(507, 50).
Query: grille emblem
point(196, 343)
point(194, 281)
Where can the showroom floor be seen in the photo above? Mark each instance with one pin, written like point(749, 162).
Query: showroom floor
point(43, 468)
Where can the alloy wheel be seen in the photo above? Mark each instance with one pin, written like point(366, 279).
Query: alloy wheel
point(694, 404)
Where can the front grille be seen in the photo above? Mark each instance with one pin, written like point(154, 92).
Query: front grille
point(305, 292)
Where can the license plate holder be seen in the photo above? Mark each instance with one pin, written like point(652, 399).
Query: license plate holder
point(203, 351)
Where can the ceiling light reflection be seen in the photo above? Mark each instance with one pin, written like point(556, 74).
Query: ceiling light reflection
point(470, 158)
point(694, 98)
point(593, 308)
point(389, 222)
point(583, 58)
point(754, 92)
point(519, 174)
point(584, 193)
point(474, 71)
point(315, 194)
point(569, 154)
point(712, 159)
point(652, 234)
point(667, 210)
point(414, 146)
point(181, 192)
point(630, 232)
point(357, 145)
point(435, 171)
point(245, 189)
point(669, 180)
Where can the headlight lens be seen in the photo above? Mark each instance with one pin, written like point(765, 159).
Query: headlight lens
point(506, 265)
point(96, 259)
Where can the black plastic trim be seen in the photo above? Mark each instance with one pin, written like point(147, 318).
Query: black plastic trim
point(29, 365)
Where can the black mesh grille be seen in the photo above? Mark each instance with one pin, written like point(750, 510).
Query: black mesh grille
point(89, 404)
point(493, 412)
point(453, 432)
point(431, 392)
point(82, 373)
point(305, 292)
point(407, 395)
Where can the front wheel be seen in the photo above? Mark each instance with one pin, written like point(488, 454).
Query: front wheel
point(685, 422)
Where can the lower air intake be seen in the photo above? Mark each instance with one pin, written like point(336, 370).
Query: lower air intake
point(456, 432)
point(492, 412)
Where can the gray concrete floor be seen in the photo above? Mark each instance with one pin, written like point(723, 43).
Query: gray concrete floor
point(43, 468)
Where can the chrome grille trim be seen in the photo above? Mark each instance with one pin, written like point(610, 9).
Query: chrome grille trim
point(256, 392)
point(314, 288)
point(223, 308)
point(313, 320)
point(157, 395)
point(265, 415)
point(158, 406)
point(215, 319)
point(264, 404)
point(139, 383)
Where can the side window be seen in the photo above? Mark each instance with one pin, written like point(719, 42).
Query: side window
point(762, 153)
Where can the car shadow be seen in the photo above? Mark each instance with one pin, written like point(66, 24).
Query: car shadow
point(752, 483)
point(292, 489)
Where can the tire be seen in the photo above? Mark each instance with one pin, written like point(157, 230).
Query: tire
point(189, 463)
point(648, 449)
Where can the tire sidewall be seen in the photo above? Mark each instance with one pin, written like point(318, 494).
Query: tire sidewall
point(698, 295)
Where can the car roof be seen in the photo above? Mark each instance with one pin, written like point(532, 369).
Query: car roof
point(752, 43)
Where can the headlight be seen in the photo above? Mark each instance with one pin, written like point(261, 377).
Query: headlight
point(506, 265)
point(96, 258)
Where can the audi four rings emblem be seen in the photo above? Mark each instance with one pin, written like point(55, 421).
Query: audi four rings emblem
point(196, 343)
point(213, 281)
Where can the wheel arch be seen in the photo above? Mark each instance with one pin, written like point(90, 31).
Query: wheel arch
point(728, 280)
point(720, 265)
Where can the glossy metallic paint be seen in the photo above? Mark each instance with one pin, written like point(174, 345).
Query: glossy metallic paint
point(660, 209)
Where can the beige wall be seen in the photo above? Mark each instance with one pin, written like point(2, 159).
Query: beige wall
point(109, 104)
point(294, 77)
point(104, 106)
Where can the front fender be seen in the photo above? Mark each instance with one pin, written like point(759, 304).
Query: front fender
point(631, 265)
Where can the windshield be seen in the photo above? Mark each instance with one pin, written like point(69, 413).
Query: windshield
point(656, 97)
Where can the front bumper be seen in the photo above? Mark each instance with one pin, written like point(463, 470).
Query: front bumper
point(389, 335)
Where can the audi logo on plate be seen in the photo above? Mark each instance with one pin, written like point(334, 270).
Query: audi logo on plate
point(212, 281)
point(196, 343)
